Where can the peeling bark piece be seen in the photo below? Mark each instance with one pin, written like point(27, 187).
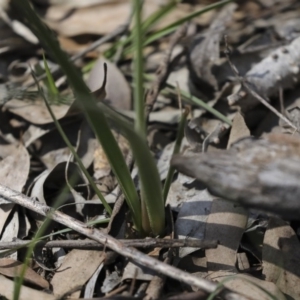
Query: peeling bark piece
point(262, 174)
point(279, 69)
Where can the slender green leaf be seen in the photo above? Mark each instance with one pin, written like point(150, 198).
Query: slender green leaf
point(149, 176)
point(70, 146)
point(139, 107)
point(84, 99)
point(51, 83)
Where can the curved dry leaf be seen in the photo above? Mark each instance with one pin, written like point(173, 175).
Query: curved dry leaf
point(14, 166)
point(7, 287)
point(118, 92)
point(10, 267)
point(240, 284)
point(226, 223)
point(36, 111)
point(76, 269)
point(281, 257)
point(90, 286)
point(192, 217)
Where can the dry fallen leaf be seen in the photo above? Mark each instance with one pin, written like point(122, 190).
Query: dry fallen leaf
point(10, 267)
point(281, 257)
point(7, 287)
point(76, 269)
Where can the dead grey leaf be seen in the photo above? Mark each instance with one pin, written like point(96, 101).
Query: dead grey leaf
point(90, 286)
point(118, 91)
point(110, 282)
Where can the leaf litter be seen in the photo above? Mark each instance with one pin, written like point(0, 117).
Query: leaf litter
point(256, 171)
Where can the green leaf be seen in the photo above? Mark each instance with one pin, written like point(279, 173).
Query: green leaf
point(87, 104)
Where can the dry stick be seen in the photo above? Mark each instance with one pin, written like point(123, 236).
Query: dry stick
point(95, 234)
point(252, 92)
point(163, 70)
point(137, 243)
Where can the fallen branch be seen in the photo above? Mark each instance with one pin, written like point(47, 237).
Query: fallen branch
point(92, 245)
point(117, 246)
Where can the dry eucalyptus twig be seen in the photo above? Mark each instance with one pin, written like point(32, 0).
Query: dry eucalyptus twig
point(115, 245)
point(163, 70)
point(137, 243)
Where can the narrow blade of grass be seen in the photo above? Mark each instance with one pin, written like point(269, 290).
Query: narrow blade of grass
point(70, 146)
point(149, 176)
point(140, 122)
point(173, 26)
point(84, 99)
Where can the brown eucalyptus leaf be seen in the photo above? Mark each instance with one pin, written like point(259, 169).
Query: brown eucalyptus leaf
point(281, 257)
point(7, 288)
point(257, 173)
point(76, 269)
point(251, 287)
point(226, 223)
point(192, 217)
point(10, 267)
point(36, 111)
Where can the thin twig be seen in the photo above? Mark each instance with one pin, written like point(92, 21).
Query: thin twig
point(137, 243)
point(252, 92)
point(163, 71)
point(110, 242)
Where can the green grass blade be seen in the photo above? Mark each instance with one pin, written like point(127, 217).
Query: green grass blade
point(158, 15)
point(149, 176)
point(173, 26)
point(85, 100)
point(140, 122)
point(70, 146)
point(198, 13)
point(180, 135)
point(54, 92)
point(196, 101)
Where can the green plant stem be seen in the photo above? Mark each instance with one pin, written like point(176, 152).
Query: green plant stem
point(140, 122)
